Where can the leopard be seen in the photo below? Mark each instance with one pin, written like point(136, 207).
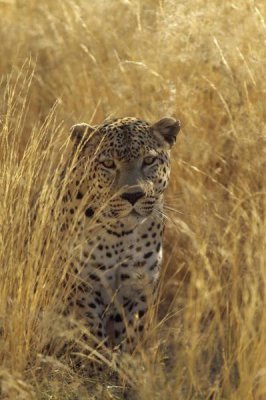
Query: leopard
point(115, 199)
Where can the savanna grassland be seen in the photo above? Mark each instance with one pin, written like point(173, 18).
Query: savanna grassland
point(63, 62)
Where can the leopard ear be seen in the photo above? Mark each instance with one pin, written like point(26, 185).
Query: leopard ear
point(81, 132)
point(166, 130)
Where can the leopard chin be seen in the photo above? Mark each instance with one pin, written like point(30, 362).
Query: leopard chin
point(132, 219)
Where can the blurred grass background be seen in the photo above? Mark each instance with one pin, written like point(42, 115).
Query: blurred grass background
point(202, 62)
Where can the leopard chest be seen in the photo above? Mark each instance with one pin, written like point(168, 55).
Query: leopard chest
point(123, 260)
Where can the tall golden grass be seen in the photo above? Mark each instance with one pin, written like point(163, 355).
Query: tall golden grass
point(203, 62)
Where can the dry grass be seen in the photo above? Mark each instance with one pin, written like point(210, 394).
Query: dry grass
point(204, 62)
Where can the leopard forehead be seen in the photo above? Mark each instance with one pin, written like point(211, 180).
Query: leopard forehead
point(129, 125)
point(126, 138)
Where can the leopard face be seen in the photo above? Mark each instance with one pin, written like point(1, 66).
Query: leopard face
point(125, 163)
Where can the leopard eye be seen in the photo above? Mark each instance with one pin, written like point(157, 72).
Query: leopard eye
point(108, 163)
point(149, 160)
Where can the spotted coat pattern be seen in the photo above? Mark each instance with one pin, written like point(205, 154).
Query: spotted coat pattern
point(115, 201)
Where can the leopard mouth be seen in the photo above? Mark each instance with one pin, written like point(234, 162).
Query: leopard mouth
point(135, 213)
point(132, 214)
point(138, 216)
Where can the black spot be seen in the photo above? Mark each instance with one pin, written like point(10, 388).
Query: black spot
point(100, 247)
point(143, 298)
point(139, 264)
point(72, 210)
point(79, 195)
point(153, 266)
point(126, 232)
point(148, 244)
point(148, 255)
point(124, 277)
point(89, 212)
point(108, 254)
point(63, 227)
point(141, 327)
point(98, 301)
point(158, 247)
point(118, 318)
point(117, 334)
point(113, 233)
point(127, 303)
point(100, 334)
point(85, 337)
point(83, 287)
point(94, 277)
point(144, 236)
point(92, 305)
point(141, 313)
point(80, 304)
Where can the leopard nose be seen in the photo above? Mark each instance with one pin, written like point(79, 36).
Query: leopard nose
point(132, 197)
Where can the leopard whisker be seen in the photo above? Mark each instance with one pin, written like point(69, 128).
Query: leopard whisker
point(172, 209)
point(161, 214)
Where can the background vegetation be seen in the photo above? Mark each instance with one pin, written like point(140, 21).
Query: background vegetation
point(64, 62)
